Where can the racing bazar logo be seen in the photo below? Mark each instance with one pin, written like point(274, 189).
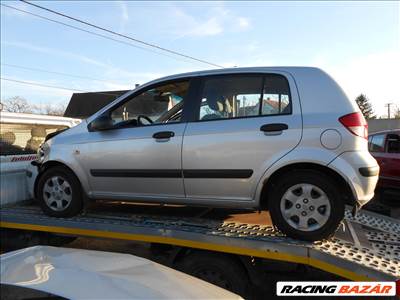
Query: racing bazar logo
point(337, 288)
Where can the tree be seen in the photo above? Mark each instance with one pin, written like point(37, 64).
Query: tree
point(365, 106)
point(21, 105)
point(51, 110)
point(17, 104)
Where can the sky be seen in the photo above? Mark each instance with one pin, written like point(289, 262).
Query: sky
point(357, 43)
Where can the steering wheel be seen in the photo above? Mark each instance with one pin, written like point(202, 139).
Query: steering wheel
point(144, 117)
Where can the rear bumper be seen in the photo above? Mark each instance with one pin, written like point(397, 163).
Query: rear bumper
point(361, 172)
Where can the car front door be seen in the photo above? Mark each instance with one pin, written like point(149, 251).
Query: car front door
point(244, 124)
point(139, 156)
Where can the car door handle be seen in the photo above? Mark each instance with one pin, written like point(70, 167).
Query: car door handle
point(274, 127)
point(163, 135)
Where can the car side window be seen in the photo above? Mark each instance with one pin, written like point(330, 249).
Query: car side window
point(370, 142)
point(377, 143)
point(226, 97)
point(153, 106)
point(393, 143)
point(276, 98)
point(236, 96)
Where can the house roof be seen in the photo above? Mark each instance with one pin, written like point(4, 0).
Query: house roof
point(83, 105)
point(272, 103)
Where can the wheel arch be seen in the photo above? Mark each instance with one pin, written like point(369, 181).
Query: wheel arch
point(48, 165)
point(269, 182)
point(241, 262)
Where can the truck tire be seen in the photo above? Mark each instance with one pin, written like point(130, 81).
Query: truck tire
point(306, 205)
point(59, 193)
point(219, 269)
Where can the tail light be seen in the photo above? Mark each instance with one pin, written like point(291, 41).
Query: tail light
point(356, 124)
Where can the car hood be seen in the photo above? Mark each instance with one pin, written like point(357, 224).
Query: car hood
point(84, 274)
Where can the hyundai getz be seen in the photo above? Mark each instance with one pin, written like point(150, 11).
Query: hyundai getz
point(286, 139)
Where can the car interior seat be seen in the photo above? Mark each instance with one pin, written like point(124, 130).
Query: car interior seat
point(219, 103)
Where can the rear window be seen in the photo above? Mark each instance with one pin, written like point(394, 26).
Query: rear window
point(17, 139)
point(377, 143)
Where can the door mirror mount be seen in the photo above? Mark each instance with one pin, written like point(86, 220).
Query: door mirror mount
point(103, 122)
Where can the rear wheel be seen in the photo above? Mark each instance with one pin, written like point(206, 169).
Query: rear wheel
point(59, 193)
point(306, 205)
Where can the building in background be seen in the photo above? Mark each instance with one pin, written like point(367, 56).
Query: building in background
point(83, 105)
point(375, 125)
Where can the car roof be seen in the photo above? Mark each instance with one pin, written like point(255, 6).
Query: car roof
point(224, 71)
point(114, 275)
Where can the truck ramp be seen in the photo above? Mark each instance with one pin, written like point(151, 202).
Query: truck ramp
point(366, 247)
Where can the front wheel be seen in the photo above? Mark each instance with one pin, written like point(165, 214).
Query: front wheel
point(59, 193)
point(306, 205)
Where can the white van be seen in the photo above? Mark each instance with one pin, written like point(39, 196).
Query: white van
point(20, 137)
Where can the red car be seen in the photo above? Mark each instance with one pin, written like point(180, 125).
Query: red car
point(385, 147)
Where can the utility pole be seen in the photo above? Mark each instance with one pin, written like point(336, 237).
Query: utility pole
point(388, 107)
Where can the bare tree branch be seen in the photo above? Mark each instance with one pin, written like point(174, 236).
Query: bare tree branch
point(17, 104)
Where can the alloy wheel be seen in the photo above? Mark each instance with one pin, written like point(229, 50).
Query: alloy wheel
point(305, 207)
point(57, 193)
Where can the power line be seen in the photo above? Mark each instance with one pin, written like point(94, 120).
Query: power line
point(92, 33)
point(53, 86)
point(122, 35)
point(54, 72)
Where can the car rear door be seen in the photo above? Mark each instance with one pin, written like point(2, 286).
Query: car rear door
point(244, 123)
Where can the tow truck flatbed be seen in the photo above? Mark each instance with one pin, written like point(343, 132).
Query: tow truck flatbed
point(366, 247)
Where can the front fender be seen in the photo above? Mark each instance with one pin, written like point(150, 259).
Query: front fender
point(66, 156)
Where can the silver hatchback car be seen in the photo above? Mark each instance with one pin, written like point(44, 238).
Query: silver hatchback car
point(286, 139)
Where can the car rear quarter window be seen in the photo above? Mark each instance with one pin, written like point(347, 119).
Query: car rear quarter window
point(276, 96)
point(377, 143)
point(238, 96)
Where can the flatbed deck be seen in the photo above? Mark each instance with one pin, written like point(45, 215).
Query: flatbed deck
point(366, 247)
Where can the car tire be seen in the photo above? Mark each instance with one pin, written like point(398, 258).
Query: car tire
point(218, 269)
point(306, 205)
point(59, 193)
